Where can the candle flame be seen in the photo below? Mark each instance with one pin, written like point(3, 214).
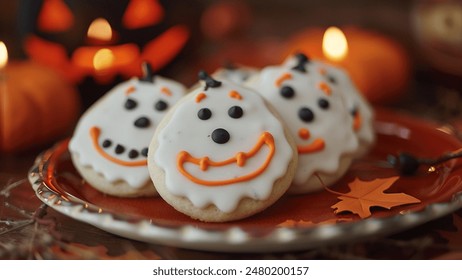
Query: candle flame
point(3, 55)
point(103, 59)
point(334, 44)
point(100, 29)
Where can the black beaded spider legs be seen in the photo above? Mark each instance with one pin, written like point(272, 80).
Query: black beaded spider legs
point(407, 164)
point(302, 60)
point(148, 75)
point(209, 81)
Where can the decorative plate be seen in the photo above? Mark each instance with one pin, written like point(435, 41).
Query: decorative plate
point(292, 223)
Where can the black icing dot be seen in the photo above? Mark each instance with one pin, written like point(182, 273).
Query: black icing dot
point(161, 105)
point(133, 154)
point(235, 112)
point(306, 114)
point(142, 122)
point(323, 103)
point(354, 111)
point(144, 152)
point(119, 149)
point(287, 92)
point(106, 143)
point(332, 79)
point(220, 136)
point(204, 114)
point(130, 104)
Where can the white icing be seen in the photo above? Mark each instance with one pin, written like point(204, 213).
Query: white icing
point(333, 125)
point(186, 132)
point(238, 75)
point(353, 99)
point(117, 124)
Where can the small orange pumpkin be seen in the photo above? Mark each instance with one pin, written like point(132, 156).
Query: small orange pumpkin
point(36, 106)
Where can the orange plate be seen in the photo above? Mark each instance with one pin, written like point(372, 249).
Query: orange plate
point(301, 214)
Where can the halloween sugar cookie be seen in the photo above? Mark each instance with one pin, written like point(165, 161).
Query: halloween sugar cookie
point(235, 73)
point(357, 105)
point(110, 143)
point(221, 153)
point(317, 117)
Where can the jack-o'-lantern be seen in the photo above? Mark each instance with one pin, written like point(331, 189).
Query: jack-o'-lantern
point(72, 36)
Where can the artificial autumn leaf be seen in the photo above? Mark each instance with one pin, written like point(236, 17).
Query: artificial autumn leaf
point(364, 195)
point(454, 238)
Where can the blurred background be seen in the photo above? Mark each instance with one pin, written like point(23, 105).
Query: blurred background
point(217, 25)
point(180, 37)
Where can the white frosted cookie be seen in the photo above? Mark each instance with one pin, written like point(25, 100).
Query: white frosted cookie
point(238, 74)
point(221, 153)
point(110, 143)
point(360, 109)
point(318, 118)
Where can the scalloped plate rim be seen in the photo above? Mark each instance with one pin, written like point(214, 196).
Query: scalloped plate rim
point(234, 239)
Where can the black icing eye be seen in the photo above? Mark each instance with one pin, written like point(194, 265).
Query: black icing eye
point(204, 114)
point(287, 92)
point(306, 114)
point(235, 112)
point(130, 104)
point(323, 103)
point(332, 79)
point(354, 111)
point(161, 105)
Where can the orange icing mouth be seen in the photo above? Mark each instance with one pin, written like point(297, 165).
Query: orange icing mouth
point(240, 159)
point(317, 145)
point(95, 132)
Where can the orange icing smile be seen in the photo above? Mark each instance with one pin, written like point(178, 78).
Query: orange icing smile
point(94, 135)
point(317, 146)
point(240, 159)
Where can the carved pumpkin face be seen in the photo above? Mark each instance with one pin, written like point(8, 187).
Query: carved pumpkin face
point(135, 31)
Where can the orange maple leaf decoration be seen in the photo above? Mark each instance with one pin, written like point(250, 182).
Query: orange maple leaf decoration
point(364, 195)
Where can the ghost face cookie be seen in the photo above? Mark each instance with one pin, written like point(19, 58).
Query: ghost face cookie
point(221, 154)
point(110, 144)
point(235, 73)
point(357, 105)
point(318, 119)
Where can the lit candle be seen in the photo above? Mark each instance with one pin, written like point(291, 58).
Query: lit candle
point(377, 64)
point(36, 104)
point(3, 62)
point(334, 45)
